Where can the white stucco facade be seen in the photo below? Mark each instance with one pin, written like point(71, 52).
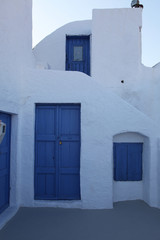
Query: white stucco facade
point(111, 111)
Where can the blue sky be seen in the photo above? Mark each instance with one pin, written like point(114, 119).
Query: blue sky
point(48, 15)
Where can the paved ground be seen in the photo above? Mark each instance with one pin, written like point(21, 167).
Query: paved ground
point(132, 220)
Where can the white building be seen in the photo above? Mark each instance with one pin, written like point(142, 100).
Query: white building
point(79, 140)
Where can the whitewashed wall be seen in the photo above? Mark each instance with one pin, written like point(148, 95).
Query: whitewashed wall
point(15, 52)
point(115, 55)
point(50, 53)
point(15, 55)
point(104, 114)
point(116, 45)
point(99, 123)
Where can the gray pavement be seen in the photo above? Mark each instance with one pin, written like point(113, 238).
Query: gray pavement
point(131, 220)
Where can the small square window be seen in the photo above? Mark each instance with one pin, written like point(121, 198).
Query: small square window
point(78, 53)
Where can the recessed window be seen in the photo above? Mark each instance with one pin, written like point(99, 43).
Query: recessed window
point(78, 53)
point(127, 161)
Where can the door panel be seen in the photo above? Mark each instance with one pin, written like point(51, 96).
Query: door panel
point(128, 161)
point(46, 154)
point(69, 118)
point(57, 165)
point(78, 54)
point(5, 163)
point(135, 162)
point(120, 162)
point(68, 153)
point(68, 186)
point(45, 167)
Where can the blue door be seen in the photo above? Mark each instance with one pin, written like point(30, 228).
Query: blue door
point(78, 54)
point(57, 152)
point(5, 163)
point(128, 161)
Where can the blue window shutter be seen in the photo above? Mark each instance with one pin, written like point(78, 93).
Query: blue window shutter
point(135, 161)
point(120, 161)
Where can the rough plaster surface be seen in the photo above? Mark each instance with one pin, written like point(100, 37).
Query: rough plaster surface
point(50, 53)
point(115, 55)
point(131, 107)
point(97, 131)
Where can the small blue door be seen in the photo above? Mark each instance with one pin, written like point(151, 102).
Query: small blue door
point(57, 152)
point(78, 54)
point(128, 161)
point(5, 163)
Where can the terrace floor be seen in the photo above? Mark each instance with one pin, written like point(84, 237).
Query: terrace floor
point(131, 220)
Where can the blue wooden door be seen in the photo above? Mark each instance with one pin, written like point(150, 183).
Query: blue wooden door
point(57, 153)
point(78, 54)
point(5, 163)
point(128, 161)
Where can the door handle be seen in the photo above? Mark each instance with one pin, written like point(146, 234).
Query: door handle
point(60, 142)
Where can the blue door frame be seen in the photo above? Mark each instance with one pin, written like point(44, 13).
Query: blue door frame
point(78, 54)
point(57, 152)
point(5, 163)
